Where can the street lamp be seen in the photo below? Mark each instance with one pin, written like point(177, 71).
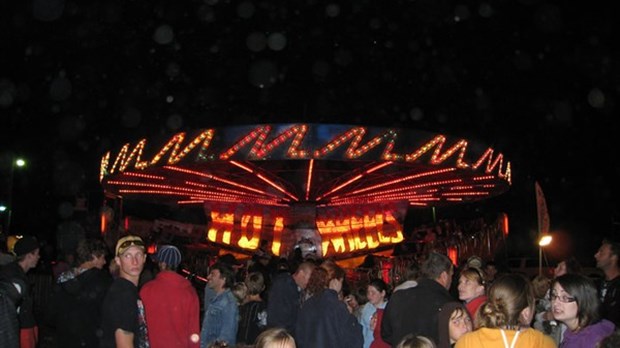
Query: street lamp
point(542, 242)
point(15, 162)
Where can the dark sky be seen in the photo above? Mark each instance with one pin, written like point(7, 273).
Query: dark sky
point(536, 80)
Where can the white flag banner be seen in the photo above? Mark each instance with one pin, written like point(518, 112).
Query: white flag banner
point(543, 214)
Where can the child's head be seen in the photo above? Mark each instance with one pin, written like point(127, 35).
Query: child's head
point(275, 338)
point(413, 341)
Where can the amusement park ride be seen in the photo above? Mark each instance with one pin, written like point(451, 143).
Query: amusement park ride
point(330, 189)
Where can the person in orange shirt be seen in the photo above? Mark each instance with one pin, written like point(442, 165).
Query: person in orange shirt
point(506, 316)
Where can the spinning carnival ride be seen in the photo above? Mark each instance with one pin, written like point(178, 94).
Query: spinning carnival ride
point(334, 190)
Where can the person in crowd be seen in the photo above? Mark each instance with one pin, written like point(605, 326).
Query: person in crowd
point(377, 294)
point(252, 313)
point(415, 310)
point(506, 316)
point(65, 262)
point(324, 320)
point(6, 249)
point(10, 298)
point(284, 297)
point(412, 273)
point(453, 322)
point(544, 320)
point(375, 325)
point(221, 316)
point(275, 338)
point(490, 271)
point(569, 265)
point(171, 304)
point(75, 304)
point(609, 287)
point(472, 289)
point(240, 291)
point(575, 303)
point(415, 341)
point(27, 255)
point(355, 300)
point(123, 321)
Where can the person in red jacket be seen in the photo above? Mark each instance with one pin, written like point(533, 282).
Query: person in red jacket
point(171, 304)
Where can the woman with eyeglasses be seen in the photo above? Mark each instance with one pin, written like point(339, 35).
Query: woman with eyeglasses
point(453, 322)
point(471, 290)
point(506, 316)
point(574, 302)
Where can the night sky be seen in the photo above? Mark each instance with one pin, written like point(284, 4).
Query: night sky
point(535, 80)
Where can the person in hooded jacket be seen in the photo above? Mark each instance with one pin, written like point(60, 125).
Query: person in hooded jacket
point(75, 307)
point(171, 304)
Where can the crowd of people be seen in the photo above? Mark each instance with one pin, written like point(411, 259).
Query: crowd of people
point(306, 303)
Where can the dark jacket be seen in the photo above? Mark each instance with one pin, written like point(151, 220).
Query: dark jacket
point(610, 305)
point(414, 310)
point(283, 303)
point(75, 308)
point(13, 271)
point(324, 321)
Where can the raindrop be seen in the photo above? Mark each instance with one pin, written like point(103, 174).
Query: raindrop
point(131, 118)
point(174, 122)
point(47, 10)
point(256, 41)
point(65, 210)
point(7, 92)
point(332, 10)
point(596, 98)
point(375, 24)
point(485, 10)
point(461, 12)
point(276, 41)
point(173, 70)
point(416, 114)
point(163, 34)
point(206, 14)
point(245, 9)
point(522, 60)
point(343, 57)
point(563, 113)
point(60, 89)
point(321, 69)
point(263, 74)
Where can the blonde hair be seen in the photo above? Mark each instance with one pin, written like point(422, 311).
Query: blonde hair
point(413, 341)
point(276, 337)
point(508, 297)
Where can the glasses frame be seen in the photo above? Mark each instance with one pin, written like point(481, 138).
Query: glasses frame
point(563, 298)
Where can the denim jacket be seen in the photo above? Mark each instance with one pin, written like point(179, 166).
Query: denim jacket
point(220, 320)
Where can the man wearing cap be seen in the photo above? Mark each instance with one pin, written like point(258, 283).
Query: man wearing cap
point(171, 304)
point(27, 256)
point(123, 322)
